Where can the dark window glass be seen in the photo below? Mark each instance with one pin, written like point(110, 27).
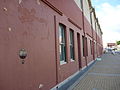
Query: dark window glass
point(83, 46)
point(91, 46)
point(86, 44)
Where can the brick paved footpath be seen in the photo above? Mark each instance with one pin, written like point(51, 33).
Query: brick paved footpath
point(104, 75)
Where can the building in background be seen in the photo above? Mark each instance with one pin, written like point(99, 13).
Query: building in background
point(111, 45)
point(44, 43)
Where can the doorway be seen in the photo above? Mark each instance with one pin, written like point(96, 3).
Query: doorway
point(79, 50)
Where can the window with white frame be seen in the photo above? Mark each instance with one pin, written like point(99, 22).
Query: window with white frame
point(62, 43)
point(72, 55)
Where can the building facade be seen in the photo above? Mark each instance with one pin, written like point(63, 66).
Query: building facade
point(43, 43)
point(111, 45)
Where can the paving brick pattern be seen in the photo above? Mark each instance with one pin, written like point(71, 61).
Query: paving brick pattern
point(104, 75)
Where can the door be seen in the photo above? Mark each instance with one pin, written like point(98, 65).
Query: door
point(79, 50)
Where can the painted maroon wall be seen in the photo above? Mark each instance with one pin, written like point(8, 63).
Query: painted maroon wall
point(87, 27)
point(65, 6)
point(29, 26)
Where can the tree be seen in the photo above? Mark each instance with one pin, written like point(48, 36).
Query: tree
point(118, 42)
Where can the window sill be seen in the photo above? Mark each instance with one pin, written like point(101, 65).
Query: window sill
point(62, 62)
point(72, 60)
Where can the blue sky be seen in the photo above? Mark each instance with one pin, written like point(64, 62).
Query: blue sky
point(112, 2)
point(108, 13)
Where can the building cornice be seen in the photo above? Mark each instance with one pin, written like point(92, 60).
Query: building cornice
point(51, 6)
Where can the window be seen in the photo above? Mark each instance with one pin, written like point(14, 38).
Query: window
point(91, 46)
point(86, 46)
point(72, 57)
point(83, 42)
point(79, 50)
point(62, 44)
point(94, 47)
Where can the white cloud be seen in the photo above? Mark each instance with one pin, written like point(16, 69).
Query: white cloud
point(109, 18)
point(110, 37)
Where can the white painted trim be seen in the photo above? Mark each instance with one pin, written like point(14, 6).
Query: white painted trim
point(65, 81)
point(90, 62)
point(83, 67)
point(72, 60)
point(69, 78)
point(79, 4)
point(72, 86)
point(62, 62)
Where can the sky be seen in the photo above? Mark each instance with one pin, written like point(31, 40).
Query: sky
point(108, 13)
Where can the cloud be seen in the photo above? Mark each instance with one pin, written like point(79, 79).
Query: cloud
point(109, 18)
point(110, 37)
